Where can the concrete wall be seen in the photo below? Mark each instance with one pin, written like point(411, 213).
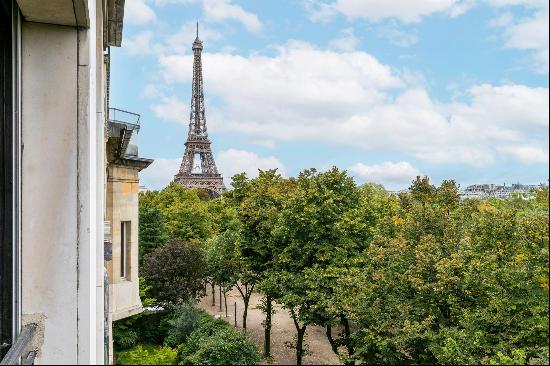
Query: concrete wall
point(62, 190)
point(49, 186)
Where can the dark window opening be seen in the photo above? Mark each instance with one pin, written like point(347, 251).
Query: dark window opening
point(125, 232)
point(6, 175)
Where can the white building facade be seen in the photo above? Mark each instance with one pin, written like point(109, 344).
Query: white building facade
point(53, 167)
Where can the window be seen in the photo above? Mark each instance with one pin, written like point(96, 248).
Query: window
point(9, 278)
point(125, 237)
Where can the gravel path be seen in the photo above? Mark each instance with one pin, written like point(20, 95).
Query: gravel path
point(282, 331)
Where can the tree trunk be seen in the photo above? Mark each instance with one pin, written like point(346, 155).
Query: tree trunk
point(300, 345)
point(299, 339)
point(220, 299)
point(347, 340)
point(225, 302)
point(331, 340)
point(267, 327)
point(213, 294)
point(245, 312)
point(246, 299)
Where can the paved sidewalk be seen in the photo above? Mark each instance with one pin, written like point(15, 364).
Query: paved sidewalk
point(282, 331)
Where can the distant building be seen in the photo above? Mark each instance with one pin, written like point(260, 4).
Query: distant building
point(490, 190)
point(483, 191)
point(143, 189)
point(397, 193)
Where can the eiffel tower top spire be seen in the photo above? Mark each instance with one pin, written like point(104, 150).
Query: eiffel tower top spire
point(198, 43)
point(197, 120)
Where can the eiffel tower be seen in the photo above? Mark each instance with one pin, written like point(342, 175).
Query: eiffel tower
point(198, 169)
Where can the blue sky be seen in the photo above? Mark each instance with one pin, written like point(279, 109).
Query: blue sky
point(386, 89)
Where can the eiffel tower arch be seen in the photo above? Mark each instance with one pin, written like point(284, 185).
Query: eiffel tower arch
point(198, 168)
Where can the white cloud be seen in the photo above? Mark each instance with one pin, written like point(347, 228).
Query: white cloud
point(140, 44)
point(346, 42)
point(182, 40)
point(171, 109)
point(531, 33)
point(390, 175)
point(394, 35)
point(149, 43)
point(303, 93)
point(406, 11)
point(138, 12)
point(528, 3)
point(527, 154)
point(528, 33)
point(503, 20)
point(160, 173)
point(222, 10)
point(300, 77)
point(152, 91)
point(232, 161)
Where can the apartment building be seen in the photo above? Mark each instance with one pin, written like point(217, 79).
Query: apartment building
point(68, 183)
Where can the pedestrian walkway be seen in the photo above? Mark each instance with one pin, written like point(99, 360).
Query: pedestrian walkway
point(282, 331)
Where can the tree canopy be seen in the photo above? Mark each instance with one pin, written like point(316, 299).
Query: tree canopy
point(418, 277)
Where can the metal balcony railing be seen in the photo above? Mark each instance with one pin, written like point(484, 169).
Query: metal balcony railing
point(121, 116)
point(16, 351)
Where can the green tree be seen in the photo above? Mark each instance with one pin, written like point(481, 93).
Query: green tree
point(460, 283)
point(186, 216)
point(215, 342)
point(246, 279)
point(152, 230)
point(259, 210)
point(176, 272)
point(223, 262)
point(185, 319)
point(318, 228)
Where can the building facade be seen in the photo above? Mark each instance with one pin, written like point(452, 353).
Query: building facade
point(60, 186)
point(121, 215)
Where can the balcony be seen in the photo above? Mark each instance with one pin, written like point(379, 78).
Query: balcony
point(119, 116)
point(121, 127)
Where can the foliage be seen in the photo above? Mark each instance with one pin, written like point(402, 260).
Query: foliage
point(185, 320)
point(461, 283)
point(185, 215)
point(223, 260)
point(259, 202)
point(147, 355)
point(125, 337)
point(215, 342)
point(152, 230)
point(176, 272)
point(145, 327)
point(318, 231)
point(421, 277)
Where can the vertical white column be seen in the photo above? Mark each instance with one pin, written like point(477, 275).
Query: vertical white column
point(89, 277)
point(96, 13)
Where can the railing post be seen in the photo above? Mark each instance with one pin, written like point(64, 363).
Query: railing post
point(18, 347)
